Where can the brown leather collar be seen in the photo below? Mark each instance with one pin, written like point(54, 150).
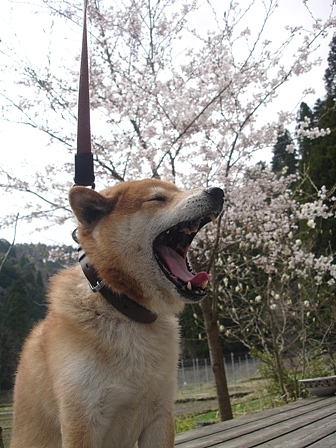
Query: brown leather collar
point(120, 302)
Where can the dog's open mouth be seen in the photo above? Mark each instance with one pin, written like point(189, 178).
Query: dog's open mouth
point(171, 248)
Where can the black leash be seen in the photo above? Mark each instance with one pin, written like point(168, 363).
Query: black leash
point(84, 171)
point(84, 176)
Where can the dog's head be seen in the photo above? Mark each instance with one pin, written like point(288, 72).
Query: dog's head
point(137, 235)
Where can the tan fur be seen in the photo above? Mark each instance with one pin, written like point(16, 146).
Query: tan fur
point(89, 377)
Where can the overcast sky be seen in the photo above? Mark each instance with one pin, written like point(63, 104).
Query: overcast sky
point(24, 149)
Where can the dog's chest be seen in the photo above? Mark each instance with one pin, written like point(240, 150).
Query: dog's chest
point(126, 352)
point(132, 381)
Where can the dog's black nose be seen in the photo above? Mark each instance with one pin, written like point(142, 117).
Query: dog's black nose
point(216, 193)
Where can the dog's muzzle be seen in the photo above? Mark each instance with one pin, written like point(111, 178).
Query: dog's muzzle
point(171, 247)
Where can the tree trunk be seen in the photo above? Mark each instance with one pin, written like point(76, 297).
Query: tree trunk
point(278, 361)
point(216, 357)
point(3, 261)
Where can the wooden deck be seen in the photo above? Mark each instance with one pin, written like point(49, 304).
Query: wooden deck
point(306, 423)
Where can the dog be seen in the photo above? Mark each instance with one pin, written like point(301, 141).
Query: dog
point(100, 370)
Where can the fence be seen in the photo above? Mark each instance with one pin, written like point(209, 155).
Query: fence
point(195, 375)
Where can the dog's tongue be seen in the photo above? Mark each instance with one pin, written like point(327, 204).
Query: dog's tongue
point(177, 266)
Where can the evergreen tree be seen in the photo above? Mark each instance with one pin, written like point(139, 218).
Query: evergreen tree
point(330, 73)
point(284, 154)
point(14, 320)
point(23, 279)
point(318, 156)
point(322, 164)
point(305, 144)
point(16, 309)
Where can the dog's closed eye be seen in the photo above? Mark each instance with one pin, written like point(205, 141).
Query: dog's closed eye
point(158, 198)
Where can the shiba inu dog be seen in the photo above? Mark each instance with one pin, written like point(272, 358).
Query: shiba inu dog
point(100, 370)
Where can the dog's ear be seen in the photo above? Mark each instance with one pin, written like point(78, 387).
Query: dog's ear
point(88, 205)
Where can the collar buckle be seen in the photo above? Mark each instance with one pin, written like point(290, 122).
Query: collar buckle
point(100, 284)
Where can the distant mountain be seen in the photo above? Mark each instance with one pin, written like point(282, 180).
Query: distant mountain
point(28, 261)
point(23, 281)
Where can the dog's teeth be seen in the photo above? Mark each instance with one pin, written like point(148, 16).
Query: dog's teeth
point(195, 228)
point(190, 230)
point(189, 286)
point(213, 218)
point(204, 284)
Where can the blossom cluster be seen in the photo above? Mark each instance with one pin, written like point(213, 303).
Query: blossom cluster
point(269, 277)
point(304, 130)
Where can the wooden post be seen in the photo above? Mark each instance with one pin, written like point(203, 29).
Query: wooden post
point(1, 441)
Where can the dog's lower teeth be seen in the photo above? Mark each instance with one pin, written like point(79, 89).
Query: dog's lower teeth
point(189, 286)
point(204, 284)
point(213, 218)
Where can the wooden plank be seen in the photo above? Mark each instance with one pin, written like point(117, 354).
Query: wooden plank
point(255, 435)
point(327, 442)
point(295, 408)
point(239, 431)
point(300, 437)
point(301, 405)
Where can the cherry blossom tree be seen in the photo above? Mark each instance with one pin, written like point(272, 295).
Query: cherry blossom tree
point(169, 98)
point(175, 99)
point(275, 291)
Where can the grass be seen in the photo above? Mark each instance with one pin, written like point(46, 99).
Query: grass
point(6, 415)
point(246, 397)
point(187, 423)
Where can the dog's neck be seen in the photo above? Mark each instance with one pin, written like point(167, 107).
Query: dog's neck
point(120, 302)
